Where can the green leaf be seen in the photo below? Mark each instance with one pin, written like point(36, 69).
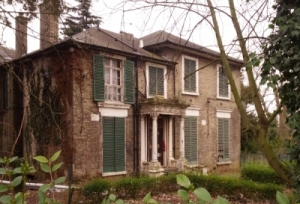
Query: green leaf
point(45, 167)
point(12, 159)
point(42, 197)
point(119, 201)
point(112, 197)
point(55, 156)
point(147, 197)
point(41, 159)
point(1, 161)
point(281, 198)
point(203, 194)
point(45, 188)
point(183, 180)
point(2, 171)
point(183, 194)
point(59, 180)
point(17, 170)
point(5, 199)
point(16, 181)
point(271, 26)
point(56, 166)
point(152, 201)
point(221, 200)
point(3, 188)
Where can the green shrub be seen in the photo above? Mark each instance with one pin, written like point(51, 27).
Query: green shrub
point(232, 187)
point(96, 190)
point(261, 174)
point(133, 187)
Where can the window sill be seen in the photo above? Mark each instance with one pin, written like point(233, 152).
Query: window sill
point(111, 104)
point(114, 173)
point(223, 163)
point(190, 93)
point(223, 98)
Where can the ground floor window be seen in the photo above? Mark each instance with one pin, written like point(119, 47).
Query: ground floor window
point(113, 144)
point(191, 140)
point(223, 139)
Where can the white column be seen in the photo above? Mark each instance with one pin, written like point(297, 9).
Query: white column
point(154, 137)
point(143, 140)
point(181, 136)
point(170, 141)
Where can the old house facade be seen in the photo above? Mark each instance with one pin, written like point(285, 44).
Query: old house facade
point(117, 105)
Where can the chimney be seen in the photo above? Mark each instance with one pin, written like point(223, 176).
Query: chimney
point(21, 35)
point(49, 24)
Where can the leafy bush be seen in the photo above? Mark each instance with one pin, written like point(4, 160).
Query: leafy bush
point(234, 187)
point(260, 173)
point(96, 190)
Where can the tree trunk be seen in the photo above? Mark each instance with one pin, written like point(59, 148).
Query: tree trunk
point(264, 122)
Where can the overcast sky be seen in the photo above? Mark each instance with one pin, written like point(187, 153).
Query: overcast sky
point(117, 17)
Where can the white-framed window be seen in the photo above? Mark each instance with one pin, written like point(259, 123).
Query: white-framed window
point(223, 136)
point(223, 87)
point(190, 75)
point(156, 80)
point(113, 79)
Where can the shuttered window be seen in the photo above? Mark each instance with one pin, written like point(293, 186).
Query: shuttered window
point(110, 79)
point(223, 85)
point(156, 81)
point(190, 140)
point(190, 76)
point(223, 139)
point(113, 144)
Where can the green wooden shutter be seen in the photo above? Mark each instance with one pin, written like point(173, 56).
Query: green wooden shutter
point(152, 81)
point(129, 82)
point(223, 83)
point(98, 68)
point(191, 140)
point(156, 81)
point(223, 139)
point(113, 144)
point(5, 91)
point(108, 144)
point(119, 144)
point(160, 81)
point(190, 81)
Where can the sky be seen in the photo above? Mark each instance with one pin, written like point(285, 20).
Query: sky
point(116, 18)
point(119, 16)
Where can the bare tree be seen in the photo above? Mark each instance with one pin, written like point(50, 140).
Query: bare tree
point(249, 23)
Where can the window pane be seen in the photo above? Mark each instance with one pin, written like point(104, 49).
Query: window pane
point(106, 61)
point(107, 76)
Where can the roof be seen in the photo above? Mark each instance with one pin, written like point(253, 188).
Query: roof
point(122, 42)
point(161, 38)
point(6, 54)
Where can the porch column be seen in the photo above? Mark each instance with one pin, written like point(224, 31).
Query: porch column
point(143, 140)
point(154, 137)
point(181, 136)
point(170, 144)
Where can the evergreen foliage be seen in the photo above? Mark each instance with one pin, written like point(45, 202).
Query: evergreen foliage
point(82, 18)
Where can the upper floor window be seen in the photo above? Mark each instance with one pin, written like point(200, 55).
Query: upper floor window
point(190, 75)
point(156, 81)
point(113, 79)
point(223, 84)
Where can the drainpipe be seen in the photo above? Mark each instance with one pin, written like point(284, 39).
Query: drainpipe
point(136, 121)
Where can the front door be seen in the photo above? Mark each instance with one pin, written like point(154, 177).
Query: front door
point(161, 145)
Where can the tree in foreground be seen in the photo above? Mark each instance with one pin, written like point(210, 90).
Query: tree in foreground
point(247, 22)
point(282, 65)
